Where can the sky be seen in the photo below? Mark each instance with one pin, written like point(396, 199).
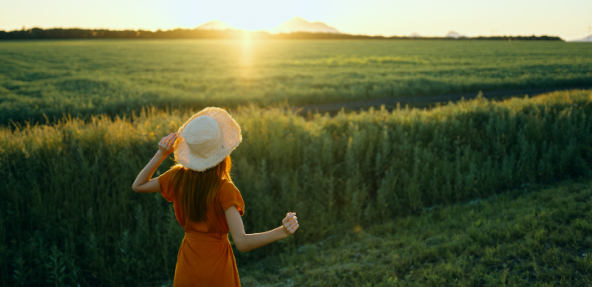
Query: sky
point(569, 19)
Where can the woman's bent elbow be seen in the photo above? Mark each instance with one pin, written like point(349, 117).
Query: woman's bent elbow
point(240, 247)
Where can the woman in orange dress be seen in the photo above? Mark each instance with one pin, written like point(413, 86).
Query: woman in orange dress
point(207, 204)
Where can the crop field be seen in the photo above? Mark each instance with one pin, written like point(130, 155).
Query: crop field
point(68, 215)
point(45, 79)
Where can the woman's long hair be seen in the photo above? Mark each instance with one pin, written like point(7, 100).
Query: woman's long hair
point(196, 189)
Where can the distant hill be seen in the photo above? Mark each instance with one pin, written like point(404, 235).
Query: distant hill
point(586, 39)
point(455, 35)
point(215, 25)
point(210, 32)
point(298, 24)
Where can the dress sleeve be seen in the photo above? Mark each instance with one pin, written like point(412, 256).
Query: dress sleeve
point(165, 189)
point(229, 196)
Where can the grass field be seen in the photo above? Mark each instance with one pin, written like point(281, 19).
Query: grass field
point(114, 77)
point(532, 236)
point(68, 215)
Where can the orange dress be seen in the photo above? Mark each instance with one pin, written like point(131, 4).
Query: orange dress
point(205, 257)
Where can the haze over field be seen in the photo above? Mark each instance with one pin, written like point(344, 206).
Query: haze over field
point(568, 19)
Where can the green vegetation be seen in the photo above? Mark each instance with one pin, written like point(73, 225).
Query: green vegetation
point(527, 237)
point(116, 77)
point(68, 214)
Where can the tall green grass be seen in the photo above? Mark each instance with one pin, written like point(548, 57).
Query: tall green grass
point(68, 214)
point(117, 77)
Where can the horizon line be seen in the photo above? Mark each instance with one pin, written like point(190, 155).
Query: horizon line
point(24, 28)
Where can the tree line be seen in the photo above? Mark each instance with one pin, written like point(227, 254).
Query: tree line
point(59, 33)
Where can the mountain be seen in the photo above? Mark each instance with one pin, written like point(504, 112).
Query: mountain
point(455, 35)
point(298, 24)
point(215, 25)
point(586, 39)
point(414, 35)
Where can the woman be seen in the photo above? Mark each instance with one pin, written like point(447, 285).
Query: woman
point(206, 202)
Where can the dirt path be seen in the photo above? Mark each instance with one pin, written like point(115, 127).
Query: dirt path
point(391, 103)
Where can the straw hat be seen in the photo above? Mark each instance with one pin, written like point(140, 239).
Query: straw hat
point(206, 139)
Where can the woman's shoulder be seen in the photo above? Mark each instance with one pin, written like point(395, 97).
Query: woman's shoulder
point(173, 170)
point(229, 195)
point(227, 186)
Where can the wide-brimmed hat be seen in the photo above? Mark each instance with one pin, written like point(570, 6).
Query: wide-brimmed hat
point(206, 139)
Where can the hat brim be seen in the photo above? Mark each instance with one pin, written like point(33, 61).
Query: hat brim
point(231, 138)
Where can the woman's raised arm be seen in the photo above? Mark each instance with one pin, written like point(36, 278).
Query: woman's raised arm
point(245, 242)
point(143, 182)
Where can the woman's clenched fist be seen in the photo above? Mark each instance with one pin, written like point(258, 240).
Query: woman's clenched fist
point(290, 223)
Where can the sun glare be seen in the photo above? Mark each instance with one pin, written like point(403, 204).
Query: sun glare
point(246, 38)
point(246, 58)
point(251, 15)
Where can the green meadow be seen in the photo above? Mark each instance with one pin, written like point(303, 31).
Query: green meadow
point(531, 236)
point(42, 80)
point(474, 193)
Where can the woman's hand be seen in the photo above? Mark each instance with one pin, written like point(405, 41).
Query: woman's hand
point(290, 223)
point(165, 146)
